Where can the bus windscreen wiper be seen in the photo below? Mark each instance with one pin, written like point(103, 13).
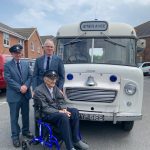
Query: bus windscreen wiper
point(72, 42)
point(111, 41)
point(114, 43)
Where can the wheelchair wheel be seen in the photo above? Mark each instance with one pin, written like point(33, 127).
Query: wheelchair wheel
point(25, 145)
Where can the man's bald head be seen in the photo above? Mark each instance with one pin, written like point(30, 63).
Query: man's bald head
point(49, 47)
point(48, 41)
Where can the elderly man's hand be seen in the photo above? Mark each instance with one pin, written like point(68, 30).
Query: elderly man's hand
point(66, 112)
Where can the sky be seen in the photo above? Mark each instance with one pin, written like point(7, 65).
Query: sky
point(49, 15)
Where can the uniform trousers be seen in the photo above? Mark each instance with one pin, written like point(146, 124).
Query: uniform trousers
point(15, 108)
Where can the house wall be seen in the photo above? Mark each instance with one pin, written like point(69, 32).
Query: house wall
point(13, 40)
point(35, 52)
point(28, 51)
point(146, 52)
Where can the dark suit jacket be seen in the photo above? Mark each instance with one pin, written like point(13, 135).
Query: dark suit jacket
point(49, 105)
point(14, 81)
point(56, 64)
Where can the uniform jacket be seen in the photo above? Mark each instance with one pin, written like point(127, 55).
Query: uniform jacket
point(15, 81)
point(56, 65)
point(49, 104)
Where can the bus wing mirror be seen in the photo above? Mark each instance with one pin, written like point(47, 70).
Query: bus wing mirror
point(141, 45)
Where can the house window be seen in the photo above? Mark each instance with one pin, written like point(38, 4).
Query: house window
point(32, 46)
point(38, 50)
point(6, 40)
point(20, 42)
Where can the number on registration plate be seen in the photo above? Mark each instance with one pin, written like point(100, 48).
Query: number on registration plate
point(93, 117)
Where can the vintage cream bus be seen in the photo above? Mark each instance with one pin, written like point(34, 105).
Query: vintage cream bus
point(101, 77)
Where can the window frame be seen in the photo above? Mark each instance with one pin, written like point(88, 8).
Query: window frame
point(6, 39)
point(32, 46)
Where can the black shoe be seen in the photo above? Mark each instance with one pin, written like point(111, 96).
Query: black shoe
point(28, 135)
point(16, 143)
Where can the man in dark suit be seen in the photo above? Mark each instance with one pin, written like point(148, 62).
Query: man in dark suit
point(48, 62)
point(57, 112)
point(18, 77)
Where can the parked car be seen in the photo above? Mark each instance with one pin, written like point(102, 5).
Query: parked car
point(3, 59)
point(145, 66)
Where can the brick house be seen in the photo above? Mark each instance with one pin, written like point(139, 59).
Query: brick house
point(9, 37)
point(27, 37)
point(33, 43)
point(143, 32)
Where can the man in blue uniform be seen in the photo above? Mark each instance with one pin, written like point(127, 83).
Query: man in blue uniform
point(18, 77)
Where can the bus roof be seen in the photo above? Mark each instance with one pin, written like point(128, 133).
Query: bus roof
point(114, 29)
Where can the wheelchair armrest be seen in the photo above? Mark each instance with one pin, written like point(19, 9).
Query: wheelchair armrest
point(37, 108)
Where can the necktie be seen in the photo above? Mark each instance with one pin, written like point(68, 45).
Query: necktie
point(47, 65)
point(52, 94)
point(19, 69)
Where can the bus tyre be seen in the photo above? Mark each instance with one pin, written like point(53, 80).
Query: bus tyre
point(127, 125)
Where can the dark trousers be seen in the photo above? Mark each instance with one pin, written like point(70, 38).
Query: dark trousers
point(15, 108)
point(68, 127)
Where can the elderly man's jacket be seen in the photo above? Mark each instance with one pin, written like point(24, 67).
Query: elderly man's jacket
point(49, 104)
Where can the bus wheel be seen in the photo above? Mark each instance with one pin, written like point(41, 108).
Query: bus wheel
point(127, 125)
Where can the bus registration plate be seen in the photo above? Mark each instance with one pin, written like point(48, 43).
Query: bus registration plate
point(92, 117)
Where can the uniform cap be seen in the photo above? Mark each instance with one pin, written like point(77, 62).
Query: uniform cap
point(51, 74)
point(16, 48)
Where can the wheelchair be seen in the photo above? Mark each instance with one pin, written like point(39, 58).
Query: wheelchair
point(46, 133)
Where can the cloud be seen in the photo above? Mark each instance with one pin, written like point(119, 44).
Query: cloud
point(49, 15)
point(29, 16)
point(140, 2)
point(44, 5)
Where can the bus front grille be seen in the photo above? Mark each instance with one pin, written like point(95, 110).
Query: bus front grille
point(91, 95)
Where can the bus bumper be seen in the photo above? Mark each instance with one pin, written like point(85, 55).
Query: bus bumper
point(114, 117)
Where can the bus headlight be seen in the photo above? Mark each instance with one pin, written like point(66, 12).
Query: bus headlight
point(130, 88)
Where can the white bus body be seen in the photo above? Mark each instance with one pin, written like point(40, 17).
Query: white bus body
point(101, 77)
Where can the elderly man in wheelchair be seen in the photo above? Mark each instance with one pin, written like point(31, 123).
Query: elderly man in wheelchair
point(55, 110)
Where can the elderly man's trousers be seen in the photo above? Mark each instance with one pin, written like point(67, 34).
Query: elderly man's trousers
point(68, 127)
